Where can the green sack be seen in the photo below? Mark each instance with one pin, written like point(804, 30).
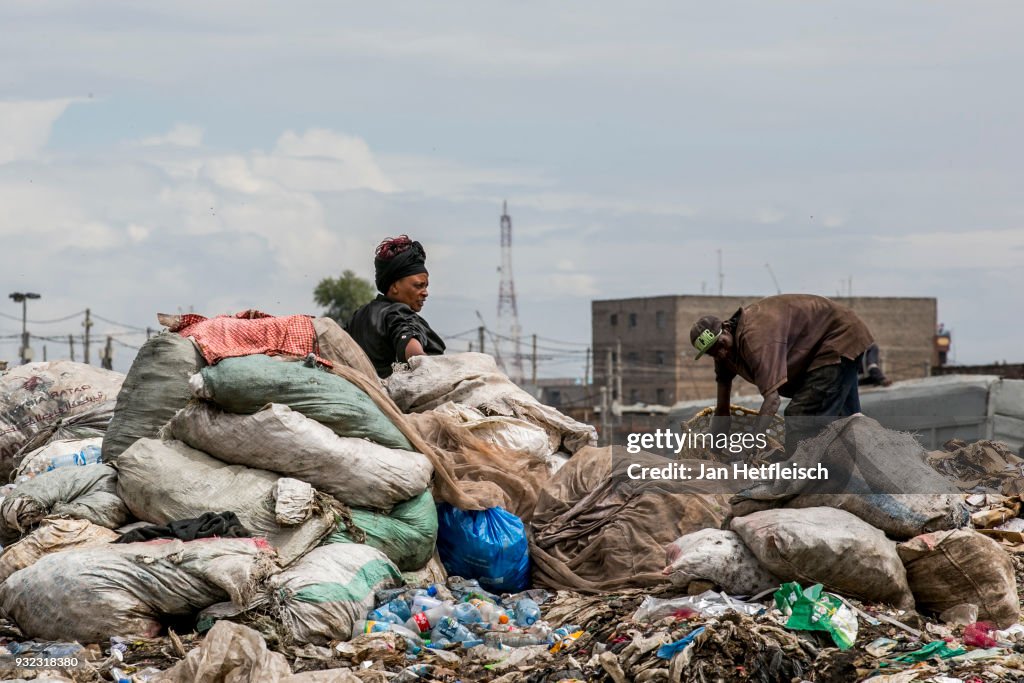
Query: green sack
point(154, 390)
point(244, 385)
point(407, 536)
point(814, 610)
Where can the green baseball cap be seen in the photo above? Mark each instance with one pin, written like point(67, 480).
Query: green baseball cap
point(704, 333)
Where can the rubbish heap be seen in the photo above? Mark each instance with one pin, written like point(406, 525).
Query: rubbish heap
point(250, 503)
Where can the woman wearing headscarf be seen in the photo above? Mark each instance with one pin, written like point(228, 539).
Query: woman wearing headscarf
point(389, 328)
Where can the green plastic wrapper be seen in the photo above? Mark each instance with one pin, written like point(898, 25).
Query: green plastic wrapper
point(936, 648)
point(812, 609)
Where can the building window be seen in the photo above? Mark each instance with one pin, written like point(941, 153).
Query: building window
point(613, 320)
point(555, 398)
point(659, 320)
point(634, 396)
point(661, 397)
point(632, 319)
point(659, 357)
point(632, 357)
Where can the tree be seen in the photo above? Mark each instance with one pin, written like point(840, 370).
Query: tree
point(343, 295)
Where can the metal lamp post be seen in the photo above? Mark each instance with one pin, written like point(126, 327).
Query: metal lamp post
point(23, 297)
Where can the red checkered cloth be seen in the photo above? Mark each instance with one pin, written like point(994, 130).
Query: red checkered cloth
point(247, 333)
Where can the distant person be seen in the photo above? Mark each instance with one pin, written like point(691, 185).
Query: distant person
point(942, 341)
point(389, 328)
point(801, 346)
point(870, 372)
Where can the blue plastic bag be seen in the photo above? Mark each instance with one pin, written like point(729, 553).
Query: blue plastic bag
point(487, 545)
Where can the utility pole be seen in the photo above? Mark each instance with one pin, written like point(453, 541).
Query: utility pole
point(44, 353)
point(604, 415)
point(22, 298)
point(618, 371)
point(586, 370)
point(533, 362)
point(71, 347)
point(87, 323)
point(149, 333)
point(480, 337)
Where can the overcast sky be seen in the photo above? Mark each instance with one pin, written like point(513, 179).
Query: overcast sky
point(227, 155)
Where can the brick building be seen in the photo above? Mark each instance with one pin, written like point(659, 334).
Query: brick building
point(652, 334)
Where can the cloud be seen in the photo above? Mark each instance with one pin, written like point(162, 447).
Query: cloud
point(26, 127)
point(574, 284)
point(180, 135)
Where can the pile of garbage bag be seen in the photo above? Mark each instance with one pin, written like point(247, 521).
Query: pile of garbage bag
point(250, 506)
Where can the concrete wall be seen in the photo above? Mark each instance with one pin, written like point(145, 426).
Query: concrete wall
point(658, 360)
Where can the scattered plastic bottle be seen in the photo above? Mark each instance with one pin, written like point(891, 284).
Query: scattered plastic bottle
point(517, 639)
point(424, 621)
point(489, 612)
point(90, 455)
point(396, 611)
point(466, 613)
point(368, 626)
point(120, 676)
point(422, 603)
point(527, 612)
point(449, 628)
point(470, 589)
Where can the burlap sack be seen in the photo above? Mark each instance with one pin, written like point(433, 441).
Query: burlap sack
point(949, 568)
point(830, 547)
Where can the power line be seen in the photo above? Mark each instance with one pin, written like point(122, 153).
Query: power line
point(44, 322)
point(118, 341)
point(114, 322)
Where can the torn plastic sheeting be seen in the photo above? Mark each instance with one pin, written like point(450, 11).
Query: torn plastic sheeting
point(708, 604)
point(812, 609)
point(937, 648)
point(672, 649)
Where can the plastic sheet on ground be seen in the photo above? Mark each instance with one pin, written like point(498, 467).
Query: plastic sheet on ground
point(232, 653)
point(707, 604)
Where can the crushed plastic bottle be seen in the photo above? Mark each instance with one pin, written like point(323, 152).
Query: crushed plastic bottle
point(449, 628)
point(527, 612)
point(513, 639)
point(367, 626)
point(90, 455)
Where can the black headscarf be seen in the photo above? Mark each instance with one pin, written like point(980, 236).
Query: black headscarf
point(397, 258)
